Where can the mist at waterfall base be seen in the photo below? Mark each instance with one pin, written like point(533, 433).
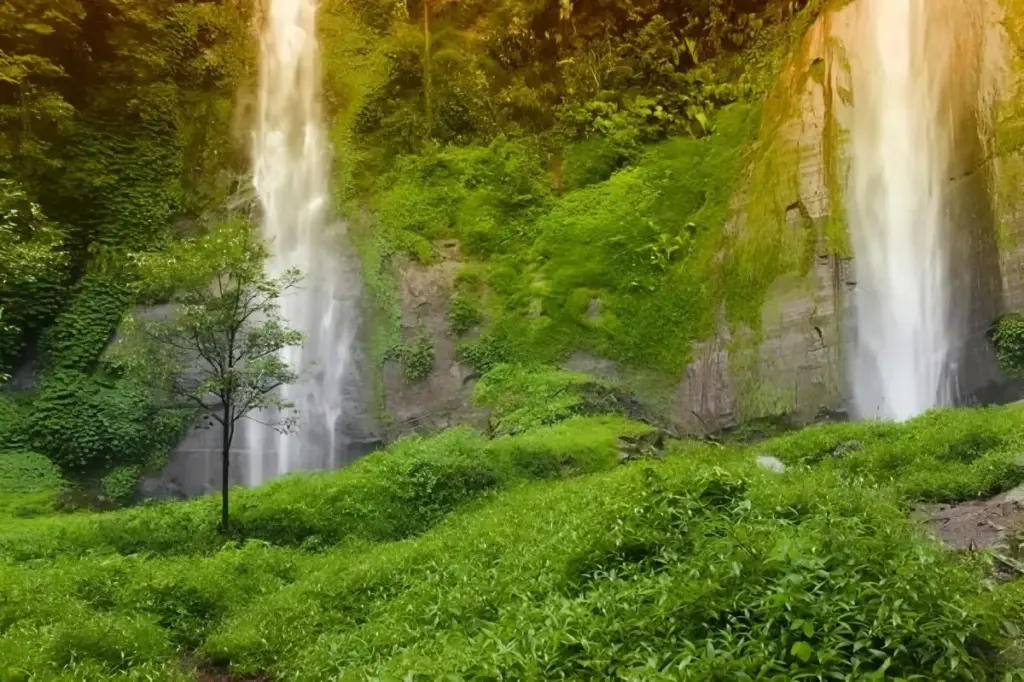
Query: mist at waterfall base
point(901, 145)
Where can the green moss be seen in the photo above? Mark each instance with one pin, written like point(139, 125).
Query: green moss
point(120, 483)
point(523, 399)
point(12, 423)
point(601, 229)
point(1008, 133)
point(384, 306)
point(643, 244)
point(834, 141)
point(384, 496)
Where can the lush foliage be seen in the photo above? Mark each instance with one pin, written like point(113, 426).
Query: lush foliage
point(112, 118)
point(86, 424)
point(115, 133)
point(32, 270)
point(523, 399)
point(1008, 338)
point(947, 456)
point(27, 472)
point(416, 357)
point(385, 496)
point(428, 560)
point(588, 158)
point(29, 484)
point(218, 350)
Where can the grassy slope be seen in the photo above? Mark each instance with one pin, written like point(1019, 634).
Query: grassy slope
point(697, 567)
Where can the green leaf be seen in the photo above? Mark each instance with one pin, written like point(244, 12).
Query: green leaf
point(42, 29)
point(802, 650)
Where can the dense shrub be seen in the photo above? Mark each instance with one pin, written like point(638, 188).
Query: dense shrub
point(28, 472)
point(523, 398)
point(12, 423)
point(1008, 338)
point(86, 423)
point(683, 572)
point(943, 456)
point(464, 313)
point(385, 496)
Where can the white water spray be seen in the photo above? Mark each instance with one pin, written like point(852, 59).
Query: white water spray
point(291, 159)
point(901, 143)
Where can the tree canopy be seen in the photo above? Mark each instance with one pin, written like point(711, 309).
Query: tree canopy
point(218, 350)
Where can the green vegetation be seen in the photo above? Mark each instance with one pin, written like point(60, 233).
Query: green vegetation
point(29, 484)
point(453, 556)
point(383, 497)
point(586, 157)
point(523, 399)
point(416, 357)
point(115, 136)
point(1008, 338)
point(946, 456)
point(615, 179)
point(465, 313)
point(216, 355)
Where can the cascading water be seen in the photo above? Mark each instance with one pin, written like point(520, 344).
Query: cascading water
point(901, 144)
point(291, 159)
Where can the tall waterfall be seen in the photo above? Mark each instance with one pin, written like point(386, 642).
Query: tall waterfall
point(901, 145)
point(291, 161)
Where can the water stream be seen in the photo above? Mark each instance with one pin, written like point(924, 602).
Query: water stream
point(291, 165)
point(901, 145)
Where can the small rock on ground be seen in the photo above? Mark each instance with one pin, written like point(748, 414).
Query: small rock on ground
point(773, 464)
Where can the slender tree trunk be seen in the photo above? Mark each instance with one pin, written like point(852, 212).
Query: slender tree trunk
point(427, 84)
point(225, 462)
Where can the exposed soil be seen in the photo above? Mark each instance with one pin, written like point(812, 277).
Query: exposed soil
point(976, 525)
point(205, 673)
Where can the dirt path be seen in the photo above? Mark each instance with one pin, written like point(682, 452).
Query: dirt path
point(976, 525)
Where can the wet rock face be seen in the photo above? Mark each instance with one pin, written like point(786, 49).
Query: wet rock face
point(846, 448)
point(794, 364)
point(798, 363)
point(443, 398)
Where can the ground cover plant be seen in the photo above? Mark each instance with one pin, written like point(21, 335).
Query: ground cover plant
point(541, 556)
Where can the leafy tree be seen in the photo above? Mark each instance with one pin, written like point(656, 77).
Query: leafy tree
point(31, 259)
point(218, 349)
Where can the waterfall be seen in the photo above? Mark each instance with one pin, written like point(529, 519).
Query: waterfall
point(901, 146)
point(291, 164)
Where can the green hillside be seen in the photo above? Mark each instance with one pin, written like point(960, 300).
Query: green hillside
point(540, 556)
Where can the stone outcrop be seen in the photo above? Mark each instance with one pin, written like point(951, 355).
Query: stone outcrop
point(443, 398)
point(796, 363)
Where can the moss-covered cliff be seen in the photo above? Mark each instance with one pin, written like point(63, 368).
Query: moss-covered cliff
point(600, 184)
point(638, 189)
